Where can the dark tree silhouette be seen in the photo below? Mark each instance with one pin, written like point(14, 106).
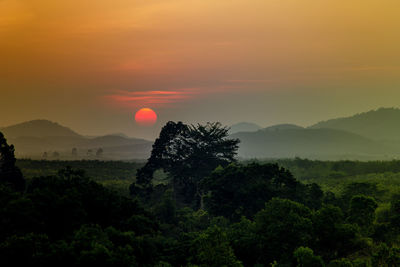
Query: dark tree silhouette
point(9, 173)
point(74, 152)
point(188, 153)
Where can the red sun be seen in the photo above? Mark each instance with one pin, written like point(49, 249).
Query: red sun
point(146, 117)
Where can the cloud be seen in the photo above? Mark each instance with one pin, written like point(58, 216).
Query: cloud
point(249, 81)
point(149, 98)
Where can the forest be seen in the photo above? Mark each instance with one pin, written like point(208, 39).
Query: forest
point(193, 203)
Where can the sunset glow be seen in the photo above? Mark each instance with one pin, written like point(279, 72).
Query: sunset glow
point(200, 133)
point(252, 57)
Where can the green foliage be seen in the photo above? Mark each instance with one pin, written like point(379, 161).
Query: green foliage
point(57, 209)
point(70, 199)
point(166, 209)
point(305, 258)
point(343, 262)
point(98, 170)
point(192, 221)
point(394, 214)
point(24, 250)
point(384, 255)
point(242, 190)
point(244, 241)
point(255, 214)
point(305, 169)
point(334, 237)
point(212, 248)
point(362, 211)
point(357, 188)
point(281, 227)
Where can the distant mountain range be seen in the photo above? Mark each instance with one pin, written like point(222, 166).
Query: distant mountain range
point(382, 124)
point(308, 143)
point(35, 138)
point(370, 135)
point(244, 127)
point(280, 127)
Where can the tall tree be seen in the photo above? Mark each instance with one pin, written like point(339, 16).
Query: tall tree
point(188, 153)
point(9, 173)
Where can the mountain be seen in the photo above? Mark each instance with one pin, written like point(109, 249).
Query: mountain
point(308, 143)
point(369, 135)
point(38, 128)
point(244, 127)
point(119, 134)
point(382, 124)
point(32, 139)
point(280, 127)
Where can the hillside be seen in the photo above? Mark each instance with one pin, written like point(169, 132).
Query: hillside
point(370, 135)
point(280, 127)
point(32, 139)
point(308, 143)
point(244, 127)
point(38, 128)
point(381, 124)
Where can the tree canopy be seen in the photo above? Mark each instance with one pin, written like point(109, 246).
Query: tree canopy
point(188, 153)
point(9, 173)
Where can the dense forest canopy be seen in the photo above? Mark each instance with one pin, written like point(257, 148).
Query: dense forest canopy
point(193, 204)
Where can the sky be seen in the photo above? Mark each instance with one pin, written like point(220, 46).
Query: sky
point(91, 64)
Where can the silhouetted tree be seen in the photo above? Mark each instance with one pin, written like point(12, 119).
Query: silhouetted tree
point(188, 153)
point(56, 154)
point(9, 173)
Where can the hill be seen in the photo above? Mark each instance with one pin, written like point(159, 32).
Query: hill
point(38, 128)
point(280, 127)
point(32, 139)
point(244, 127)
point(382, 124)
point(370, 135)
point(309, 143)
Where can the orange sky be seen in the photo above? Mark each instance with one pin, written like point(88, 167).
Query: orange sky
point(90, 64)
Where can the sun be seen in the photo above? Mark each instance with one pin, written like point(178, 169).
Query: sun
point(146, 117)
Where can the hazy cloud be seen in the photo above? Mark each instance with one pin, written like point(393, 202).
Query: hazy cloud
point(149, 98)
